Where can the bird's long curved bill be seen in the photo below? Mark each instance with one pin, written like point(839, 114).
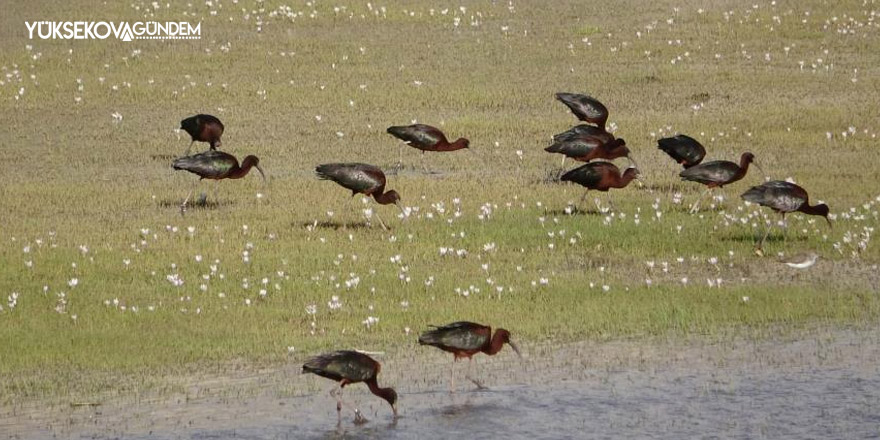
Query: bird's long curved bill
point(394, 409)
point(633, 162)
point(515, 348)
point(402, 210)
point(260, 169)
point(761, 170)
point(831, 226)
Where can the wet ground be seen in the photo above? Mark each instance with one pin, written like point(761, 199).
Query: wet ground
point(819, 384)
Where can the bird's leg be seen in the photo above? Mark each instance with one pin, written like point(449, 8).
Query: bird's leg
point(376, 213)
point(189, 148)
point(562, 165)
point(186, 200)
point(760, 248)
point(611, 203)
point(337, 393)
point(216, 190)
point(452, 377)
point(470, 378)
point(784, 229)
point(424, 166)
point(399, 156)
point(702, 196)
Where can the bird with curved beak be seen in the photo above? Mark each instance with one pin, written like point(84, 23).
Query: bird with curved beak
point(215, 165)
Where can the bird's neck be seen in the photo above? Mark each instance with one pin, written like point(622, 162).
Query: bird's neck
point(744, 165)
point(811, 210)
point(383, 198)
point(240, 171)
point(495, 344)
point(384, 393)
point(623, 181)
point(457, 145)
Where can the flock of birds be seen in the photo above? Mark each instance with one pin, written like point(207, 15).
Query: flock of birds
point(590, 143)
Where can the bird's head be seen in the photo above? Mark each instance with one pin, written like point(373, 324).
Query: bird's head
point(391, 397)
point(393, 197)
point(505, 336)
point(463, 142)
point(632, 173)
point(253, 161)
point(748, 157)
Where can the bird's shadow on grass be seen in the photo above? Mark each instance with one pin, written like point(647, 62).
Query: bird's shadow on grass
point(744, 237)
point(574, 211)
point(335, 225)
point(163, 157)
point(207, 205)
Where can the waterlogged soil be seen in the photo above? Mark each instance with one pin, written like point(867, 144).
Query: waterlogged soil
point(819, 383)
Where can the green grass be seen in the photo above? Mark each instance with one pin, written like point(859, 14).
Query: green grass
point(71, 177)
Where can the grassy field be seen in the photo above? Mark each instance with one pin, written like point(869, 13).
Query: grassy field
point(106, 287)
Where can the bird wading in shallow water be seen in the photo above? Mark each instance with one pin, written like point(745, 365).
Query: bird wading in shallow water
point(203, 128)
point(347, 367)
point(783, 197)
point(215, 165)
point(425, 138)
point(465, 339)
point(717, 174)
point(600, 176)
point(360, 178)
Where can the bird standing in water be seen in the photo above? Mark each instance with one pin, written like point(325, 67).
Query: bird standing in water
point(215, 165)
point(203, 128)
point(464, 339)
point(347, 367)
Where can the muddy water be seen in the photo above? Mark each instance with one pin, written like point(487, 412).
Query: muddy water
point(821, 384)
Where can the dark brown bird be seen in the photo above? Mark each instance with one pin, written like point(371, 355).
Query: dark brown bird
point(347, 367)
point(425, 138)
point(585, 108)
point(360, 178)
point(783, 197)
point(215, 165)
point(600, 176)
point(684, 149)
point(464, 339)
point(583, 129)
point(718, 173)
point(585, 148)
point(203, 128)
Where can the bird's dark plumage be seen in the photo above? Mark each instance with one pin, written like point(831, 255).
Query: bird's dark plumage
point(684, 149)
point(586, 108)
point(600, 176)
point(350, 366)
point(464, 336)
point(586, 148)
point(358, 177)
point(783, 197)
point(420, 136)
point(581, 130)
point(216, 165)
point(717, 172)
point(204, 128)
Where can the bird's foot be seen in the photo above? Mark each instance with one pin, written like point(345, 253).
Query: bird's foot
point(359, 418)
point(479, 384)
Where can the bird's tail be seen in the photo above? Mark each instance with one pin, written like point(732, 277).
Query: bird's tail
point(183, 163)
point(397, 131)
point(326, 171)
point(430, 337)
point(755, 194)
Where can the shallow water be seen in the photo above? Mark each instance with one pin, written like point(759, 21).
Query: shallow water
point(821, 386)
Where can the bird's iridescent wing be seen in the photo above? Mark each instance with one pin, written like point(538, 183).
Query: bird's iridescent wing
point(338, 365)
point(718, 171)
point(778, 195)
point(418, 135)
point(591, 174)
point(458, 335)
point(578, 146)
point(684, 149)
point(358, 177)
point(209, 165)
point(585, 107)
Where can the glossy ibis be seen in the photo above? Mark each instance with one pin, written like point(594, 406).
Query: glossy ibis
point(347, 367)
point(684, 149)
point(360, 178)
point(465, 339)
point(585, 148)
point(583, 129)
point(717, 174)
point(425, 138)
point(215, 165)
point(585, 108)
point(203, 128)
point(783, 197)
point(600, 176)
